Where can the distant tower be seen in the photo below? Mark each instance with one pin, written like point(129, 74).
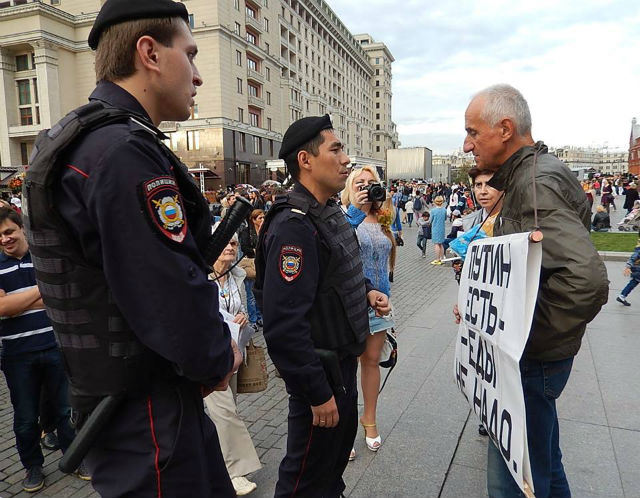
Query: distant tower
point(634, 148)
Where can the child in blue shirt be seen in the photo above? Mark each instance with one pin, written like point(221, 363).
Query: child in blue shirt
point(633, 270)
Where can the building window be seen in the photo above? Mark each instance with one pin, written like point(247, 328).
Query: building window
point(254, 90)
point(267, 73)
point(242, 142)
point(251, 12)
point(377, 82)
point(377, 72)
point(377, 105)
point(377, 138)
point(254, 118)
point(377, 94)
point(269, 128)
point(271, 148)
point(193, 140)
point(252, 64)
point(377, 60)
point(251, 38)
point(266, 47)
point(26, 116)
point(194, 111)
point(377, 115)
point(192, 21)
point(241, 114)
point(236, 4)
point(266, 24)
point(24, 92)
point(55, 2)
point(257, 146)
point(236, 29)
point(240, 85)
point(22, 62)
point(268, 98)
point(238, 58)
point(377, 148)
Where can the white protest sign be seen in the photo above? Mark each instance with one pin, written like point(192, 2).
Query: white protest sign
point(496, 299)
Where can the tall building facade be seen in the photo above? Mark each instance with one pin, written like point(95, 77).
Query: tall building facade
point(265, 63)
point(593, 159)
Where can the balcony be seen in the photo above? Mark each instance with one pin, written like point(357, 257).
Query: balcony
point(254, 22)
point(256, 101)
point(255, 75)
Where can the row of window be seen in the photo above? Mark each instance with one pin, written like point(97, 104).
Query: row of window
point(255, 144)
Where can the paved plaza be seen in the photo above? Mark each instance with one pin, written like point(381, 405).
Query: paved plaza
point(431, 447)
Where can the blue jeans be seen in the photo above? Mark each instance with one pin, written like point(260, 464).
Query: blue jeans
point(542, 383)
point(26, 375)
point(252, 309)
point(629, 287)
point(422, 243)
point(397, 223)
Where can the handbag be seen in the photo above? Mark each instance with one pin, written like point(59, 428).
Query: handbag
point(249, 266)
point(252, 374)
point(389, 355)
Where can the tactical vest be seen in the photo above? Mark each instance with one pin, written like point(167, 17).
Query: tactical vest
point(339, 316)
point(102, 354)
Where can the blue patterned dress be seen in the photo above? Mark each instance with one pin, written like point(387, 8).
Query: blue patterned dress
point(438, 218)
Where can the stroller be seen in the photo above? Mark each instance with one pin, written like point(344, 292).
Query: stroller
point(631, 222)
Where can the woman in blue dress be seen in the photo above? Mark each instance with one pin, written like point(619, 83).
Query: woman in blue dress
point(438, 217)
point(372, 221)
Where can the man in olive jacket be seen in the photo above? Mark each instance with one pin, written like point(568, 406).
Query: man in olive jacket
point(573, 279)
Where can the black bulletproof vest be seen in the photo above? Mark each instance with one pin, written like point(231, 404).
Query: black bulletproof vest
point(338, 317)
point(101, 353)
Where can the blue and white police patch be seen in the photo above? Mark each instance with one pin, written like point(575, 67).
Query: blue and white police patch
point(163, 205)
point(290, 262)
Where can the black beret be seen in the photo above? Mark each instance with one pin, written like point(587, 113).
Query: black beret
point(117, 11)
point(302, 131)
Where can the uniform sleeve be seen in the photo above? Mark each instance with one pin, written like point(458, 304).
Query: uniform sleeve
point(291, 279)
point(154, 276)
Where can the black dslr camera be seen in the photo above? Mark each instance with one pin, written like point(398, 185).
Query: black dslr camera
point(375, 192)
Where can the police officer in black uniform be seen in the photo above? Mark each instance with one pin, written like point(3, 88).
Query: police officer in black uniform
point(117, 228)
point(314, 297)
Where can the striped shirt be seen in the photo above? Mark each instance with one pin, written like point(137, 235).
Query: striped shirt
point(31, 330)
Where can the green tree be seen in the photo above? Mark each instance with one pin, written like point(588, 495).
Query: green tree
point(462, 174)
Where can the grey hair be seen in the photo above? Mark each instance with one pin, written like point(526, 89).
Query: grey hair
point(504, 101)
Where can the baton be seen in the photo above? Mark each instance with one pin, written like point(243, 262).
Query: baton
point(88, 433)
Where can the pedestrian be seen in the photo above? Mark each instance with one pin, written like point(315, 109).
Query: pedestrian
point(248, 235)
point(424, 232)
point(31, 361)
point(601, 221)
point(378, 254)
point(313, 296)
point(237, 448)
point(131, 303)
point(409, 210)
point(396, 227)
point(573, 285)
point(631, 195)
point(632, 270)
point(438, 218)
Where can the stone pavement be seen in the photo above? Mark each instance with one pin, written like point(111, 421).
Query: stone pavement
point(430, 442)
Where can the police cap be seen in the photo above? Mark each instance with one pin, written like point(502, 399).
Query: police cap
point(117, 11)
point(302, 131)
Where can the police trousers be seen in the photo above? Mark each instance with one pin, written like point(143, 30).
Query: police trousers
point(160, 445)
point(316, 457)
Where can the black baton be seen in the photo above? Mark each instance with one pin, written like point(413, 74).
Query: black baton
point(88, 433)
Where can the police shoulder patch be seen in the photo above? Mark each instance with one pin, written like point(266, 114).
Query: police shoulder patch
point(290, 262)
point(163, 205)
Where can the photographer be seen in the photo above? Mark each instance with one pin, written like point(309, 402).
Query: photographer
point(372, 220)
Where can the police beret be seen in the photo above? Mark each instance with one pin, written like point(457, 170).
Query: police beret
point(301, 131)
point(117, 11)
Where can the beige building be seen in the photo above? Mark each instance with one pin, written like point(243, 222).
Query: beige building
point(599, 159)
point(265, 63)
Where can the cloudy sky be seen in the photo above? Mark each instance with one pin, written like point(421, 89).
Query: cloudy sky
point(577, 62)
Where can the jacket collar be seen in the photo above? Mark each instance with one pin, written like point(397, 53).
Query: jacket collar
point(503, 177)
point(116, 96)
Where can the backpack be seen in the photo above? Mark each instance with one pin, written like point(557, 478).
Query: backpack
point(417, 204)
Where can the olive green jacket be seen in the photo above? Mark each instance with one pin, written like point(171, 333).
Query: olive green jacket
point(573, 279)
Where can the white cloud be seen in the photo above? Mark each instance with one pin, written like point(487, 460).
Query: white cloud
point(575, 61)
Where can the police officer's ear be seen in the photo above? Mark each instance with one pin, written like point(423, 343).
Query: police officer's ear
point(147, 53)
point(304, 160)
